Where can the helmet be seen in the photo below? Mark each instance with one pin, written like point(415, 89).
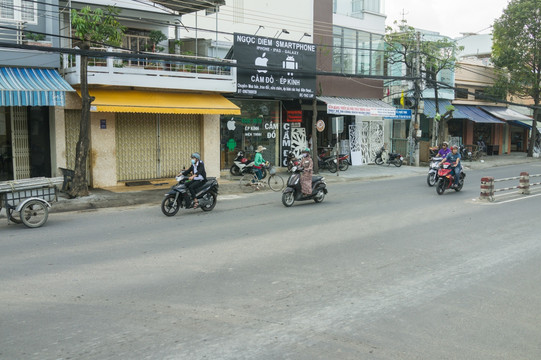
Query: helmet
point(445, 143)
point(196, 155)
point(306, 150)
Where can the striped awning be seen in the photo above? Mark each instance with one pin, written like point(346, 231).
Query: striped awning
point(32, 87)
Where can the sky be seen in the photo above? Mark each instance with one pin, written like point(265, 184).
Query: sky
point(448, 17)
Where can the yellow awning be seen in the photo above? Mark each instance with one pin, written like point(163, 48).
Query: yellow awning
point(135, 101)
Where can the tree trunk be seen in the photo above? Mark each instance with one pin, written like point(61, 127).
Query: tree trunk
point(435, 138)
point(80, 184)
point(314, 137)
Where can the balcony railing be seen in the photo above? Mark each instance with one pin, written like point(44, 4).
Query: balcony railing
point(165, 74)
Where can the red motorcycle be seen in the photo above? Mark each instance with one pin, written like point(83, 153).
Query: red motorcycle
point(447, 179)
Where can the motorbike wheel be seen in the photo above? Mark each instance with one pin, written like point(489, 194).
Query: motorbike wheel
point(319, 196)
point(440, 186)
point(331, 165)
point(169, 206)
point(343, 165)
point(431, 179)
point(460, 185)
point(379, 161)
point(263, 173)
point(234, 170)
point(288, 199)
point(212, 196)
point(398, 162)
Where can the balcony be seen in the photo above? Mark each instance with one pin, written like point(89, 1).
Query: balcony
point(174, 74)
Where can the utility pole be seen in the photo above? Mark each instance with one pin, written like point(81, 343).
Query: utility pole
point(416, 124)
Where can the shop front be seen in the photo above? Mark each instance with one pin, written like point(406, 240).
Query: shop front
point(144, 135)
point(258, 124)
point(29, 98)
point(360, 126)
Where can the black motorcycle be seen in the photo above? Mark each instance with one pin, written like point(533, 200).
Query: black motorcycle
point(384, 157)
point(179, 196)
point(293, 191)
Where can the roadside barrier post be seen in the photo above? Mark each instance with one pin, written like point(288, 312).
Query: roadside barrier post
point(524, 184)
point(487, 188)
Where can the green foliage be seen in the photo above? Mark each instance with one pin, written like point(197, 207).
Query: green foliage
point(29, 35)
point(97, 26)
point(516, 48)
point(435, 55)
point(156, 37)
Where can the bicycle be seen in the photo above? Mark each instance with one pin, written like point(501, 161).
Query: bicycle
point(249, 182)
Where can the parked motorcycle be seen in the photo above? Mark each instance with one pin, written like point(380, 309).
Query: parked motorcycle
point(384, 157)
point(179, 196)
point(446, 179)
point(242, 165)
point(433, 167)
point(293, 191)
point(465, 153)
point(329, 162)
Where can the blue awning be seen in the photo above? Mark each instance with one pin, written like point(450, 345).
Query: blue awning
point(475, 114)
point(32, 87)
point(430, 107)
point(522, 124)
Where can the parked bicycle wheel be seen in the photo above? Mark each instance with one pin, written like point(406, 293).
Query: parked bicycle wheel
point(276, 182)
point(248, 183)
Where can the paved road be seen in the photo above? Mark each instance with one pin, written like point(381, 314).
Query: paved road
point(379, 270)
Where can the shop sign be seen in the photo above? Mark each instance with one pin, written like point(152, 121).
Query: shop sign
point(274, 67)
point(294, 116)
point(339, 109)
point(320, 125)
point(286, 142)
point(401, 114)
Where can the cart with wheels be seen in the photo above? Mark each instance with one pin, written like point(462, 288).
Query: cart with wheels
point(28, 201)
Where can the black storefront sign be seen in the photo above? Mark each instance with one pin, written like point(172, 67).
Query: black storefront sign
point(274, 68)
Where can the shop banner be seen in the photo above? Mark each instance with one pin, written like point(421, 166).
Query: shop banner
point(339, 109)
point(274, 67)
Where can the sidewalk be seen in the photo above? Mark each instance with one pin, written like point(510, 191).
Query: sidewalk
point(153, 194)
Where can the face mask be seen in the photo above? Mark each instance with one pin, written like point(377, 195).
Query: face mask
point(193, 161)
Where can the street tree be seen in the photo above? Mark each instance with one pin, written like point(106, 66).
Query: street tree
point(516, 49)
point(91, 27)
point(436, 55)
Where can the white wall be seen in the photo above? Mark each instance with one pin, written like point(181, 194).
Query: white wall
point(245, 16)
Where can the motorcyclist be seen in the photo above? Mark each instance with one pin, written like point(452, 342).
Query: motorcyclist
point(197, 177)
point(306, 176)
point(454, 158)
point(444, 150)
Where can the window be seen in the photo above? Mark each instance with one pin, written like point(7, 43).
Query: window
point(372, 6)
point(461, 93)
point(479, 94)
point(19, 10)
point(357, 52)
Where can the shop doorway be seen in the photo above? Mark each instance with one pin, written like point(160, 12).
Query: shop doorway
point(25, 149)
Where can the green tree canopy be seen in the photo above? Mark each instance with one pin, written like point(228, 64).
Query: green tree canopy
point(516, 50)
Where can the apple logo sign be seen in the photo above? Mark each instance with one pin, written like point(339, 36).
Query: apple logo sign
point(261, 61)
point(231, 124)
